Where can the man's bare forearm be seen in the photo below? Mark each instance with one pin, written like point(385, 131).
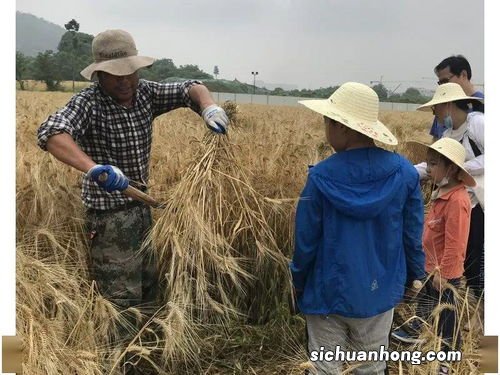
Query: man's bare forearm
point(201, 96)
point(64, 148)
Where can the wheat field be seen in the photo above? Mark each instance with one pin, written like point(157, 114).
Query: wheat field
point(247, 328)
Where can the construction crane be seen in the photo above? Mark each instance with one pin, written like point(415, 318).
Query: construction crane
point(399, 83)
point(380, 81)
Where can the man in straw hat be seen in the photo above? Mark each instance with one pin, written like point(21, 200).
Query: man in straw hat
point(445, 236)
point(358, 232)
point(107, 128)
point(450, 105)
point(455, 69)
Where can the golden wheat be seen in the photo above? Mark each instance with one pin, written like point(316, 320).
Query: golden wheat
point(222, 244)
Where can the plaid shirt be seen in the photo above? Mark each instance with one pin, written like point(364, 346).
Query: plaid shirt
point(113, 134)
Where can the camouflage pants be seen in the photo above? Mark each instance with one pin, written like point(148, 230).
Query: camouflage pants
point(123, 275)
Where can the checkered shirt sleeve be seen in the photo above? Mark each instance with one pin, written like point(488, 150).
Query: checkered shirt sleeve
point(112, 134)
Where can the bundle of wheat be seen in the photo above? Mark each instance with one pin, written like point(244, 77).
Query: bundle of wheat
point(217, 252)
point(232, 110)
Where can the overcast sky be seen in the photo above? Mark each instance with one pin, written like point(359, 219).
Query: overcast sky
point(303, 42)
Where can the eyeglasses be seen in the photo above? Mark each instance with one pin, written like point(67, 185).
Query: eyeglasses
point(445, 80)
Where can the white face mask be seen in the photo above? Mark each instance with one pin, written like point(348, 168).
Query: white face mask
point(448, 122)
point(444, 181)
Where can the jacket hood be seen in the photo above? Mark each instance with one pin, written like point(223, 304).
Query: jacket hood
point(360, 182)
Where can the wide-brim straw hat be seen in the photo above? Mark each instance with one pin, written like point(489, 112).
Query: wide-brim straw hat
point(114, 52)
point(446, 93)
point(356, 106)
point(452, 150)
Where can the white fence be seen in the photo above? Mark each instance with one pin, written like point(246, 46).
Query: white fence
point(221, 97)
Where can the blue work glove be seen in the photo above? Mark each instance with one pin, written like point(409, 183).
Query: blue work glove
point(215, 118)
point(108, 177)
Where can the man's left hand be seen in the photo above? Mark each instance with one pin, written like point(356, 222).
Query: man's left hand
point(215, 118)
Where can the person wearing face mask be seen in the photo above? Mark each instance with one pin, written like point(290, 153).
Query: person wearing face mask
point(456, 69)
point(450, 105)
point(445, 236)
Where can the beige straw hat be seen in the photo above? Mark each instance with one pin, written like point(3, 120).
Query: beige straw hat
point(114, 52)
point(356, 106)
point(445, 93)
point(452, 150)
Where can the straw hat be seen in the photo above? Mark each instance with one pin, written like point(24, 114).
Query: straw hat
point(356, 106)
point(452, 150)
point(114, 52)
point(445, 93)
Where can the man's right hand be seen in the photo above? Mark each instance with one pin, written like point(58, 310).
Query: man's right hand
point(109, 177)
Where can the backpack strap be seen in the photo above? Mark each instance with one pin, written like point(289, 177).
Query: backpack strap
point(475, 149)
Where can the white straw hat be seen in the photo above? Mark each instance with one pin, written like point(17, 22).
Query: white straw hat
point(445, 93)
point(452, 150)
point(356, 106)
point(114, 52)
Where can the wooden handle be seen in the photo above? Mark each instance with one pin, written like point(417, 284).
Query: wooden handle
point(136, 194)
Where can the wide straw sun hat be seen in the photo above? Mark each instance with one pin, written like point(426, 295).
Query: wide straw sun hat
point(452, 150)
point(114, 52)
point(356, 106)
point(445, 93)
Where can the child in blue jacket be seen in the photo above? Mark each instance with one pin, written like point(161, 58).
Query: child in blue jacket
point(358, 232)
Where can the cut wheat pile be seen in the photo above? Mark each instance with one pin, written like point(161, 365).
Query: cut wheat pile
point(222, 244)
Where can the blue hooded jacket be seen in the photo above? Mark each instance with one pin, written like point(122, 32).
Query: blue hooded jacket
point(358, 234)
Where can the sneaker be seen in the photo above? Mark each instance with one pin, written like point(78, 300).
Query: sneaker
point(408, 333)
point(410, 338)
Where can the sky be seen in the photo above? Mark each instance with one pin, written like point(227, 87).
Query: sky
point(306, 43)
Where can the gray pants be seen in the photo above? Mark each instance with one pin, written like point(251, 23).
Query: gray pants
point(349, 334)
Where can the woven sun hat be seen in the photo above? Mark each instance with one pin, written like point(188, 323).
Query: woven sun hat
point(445, 93)
point(356, 106)
point(452, 150)
point(114, 52)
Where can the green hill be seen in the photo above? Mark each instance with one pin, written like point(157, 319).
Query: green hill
point(34, 35)
point(223, 85)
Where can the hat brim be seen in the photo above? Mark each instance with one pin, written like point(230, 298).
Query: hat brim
point(375, 130)
point(427, 107)
point(119, 67)
point(465, 176)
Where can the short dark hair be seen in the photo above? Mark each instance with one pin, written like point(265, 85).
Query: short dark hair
point(456, 63)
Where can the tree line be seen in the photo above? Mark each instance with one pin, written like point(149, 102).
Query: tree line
point(74, 53)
